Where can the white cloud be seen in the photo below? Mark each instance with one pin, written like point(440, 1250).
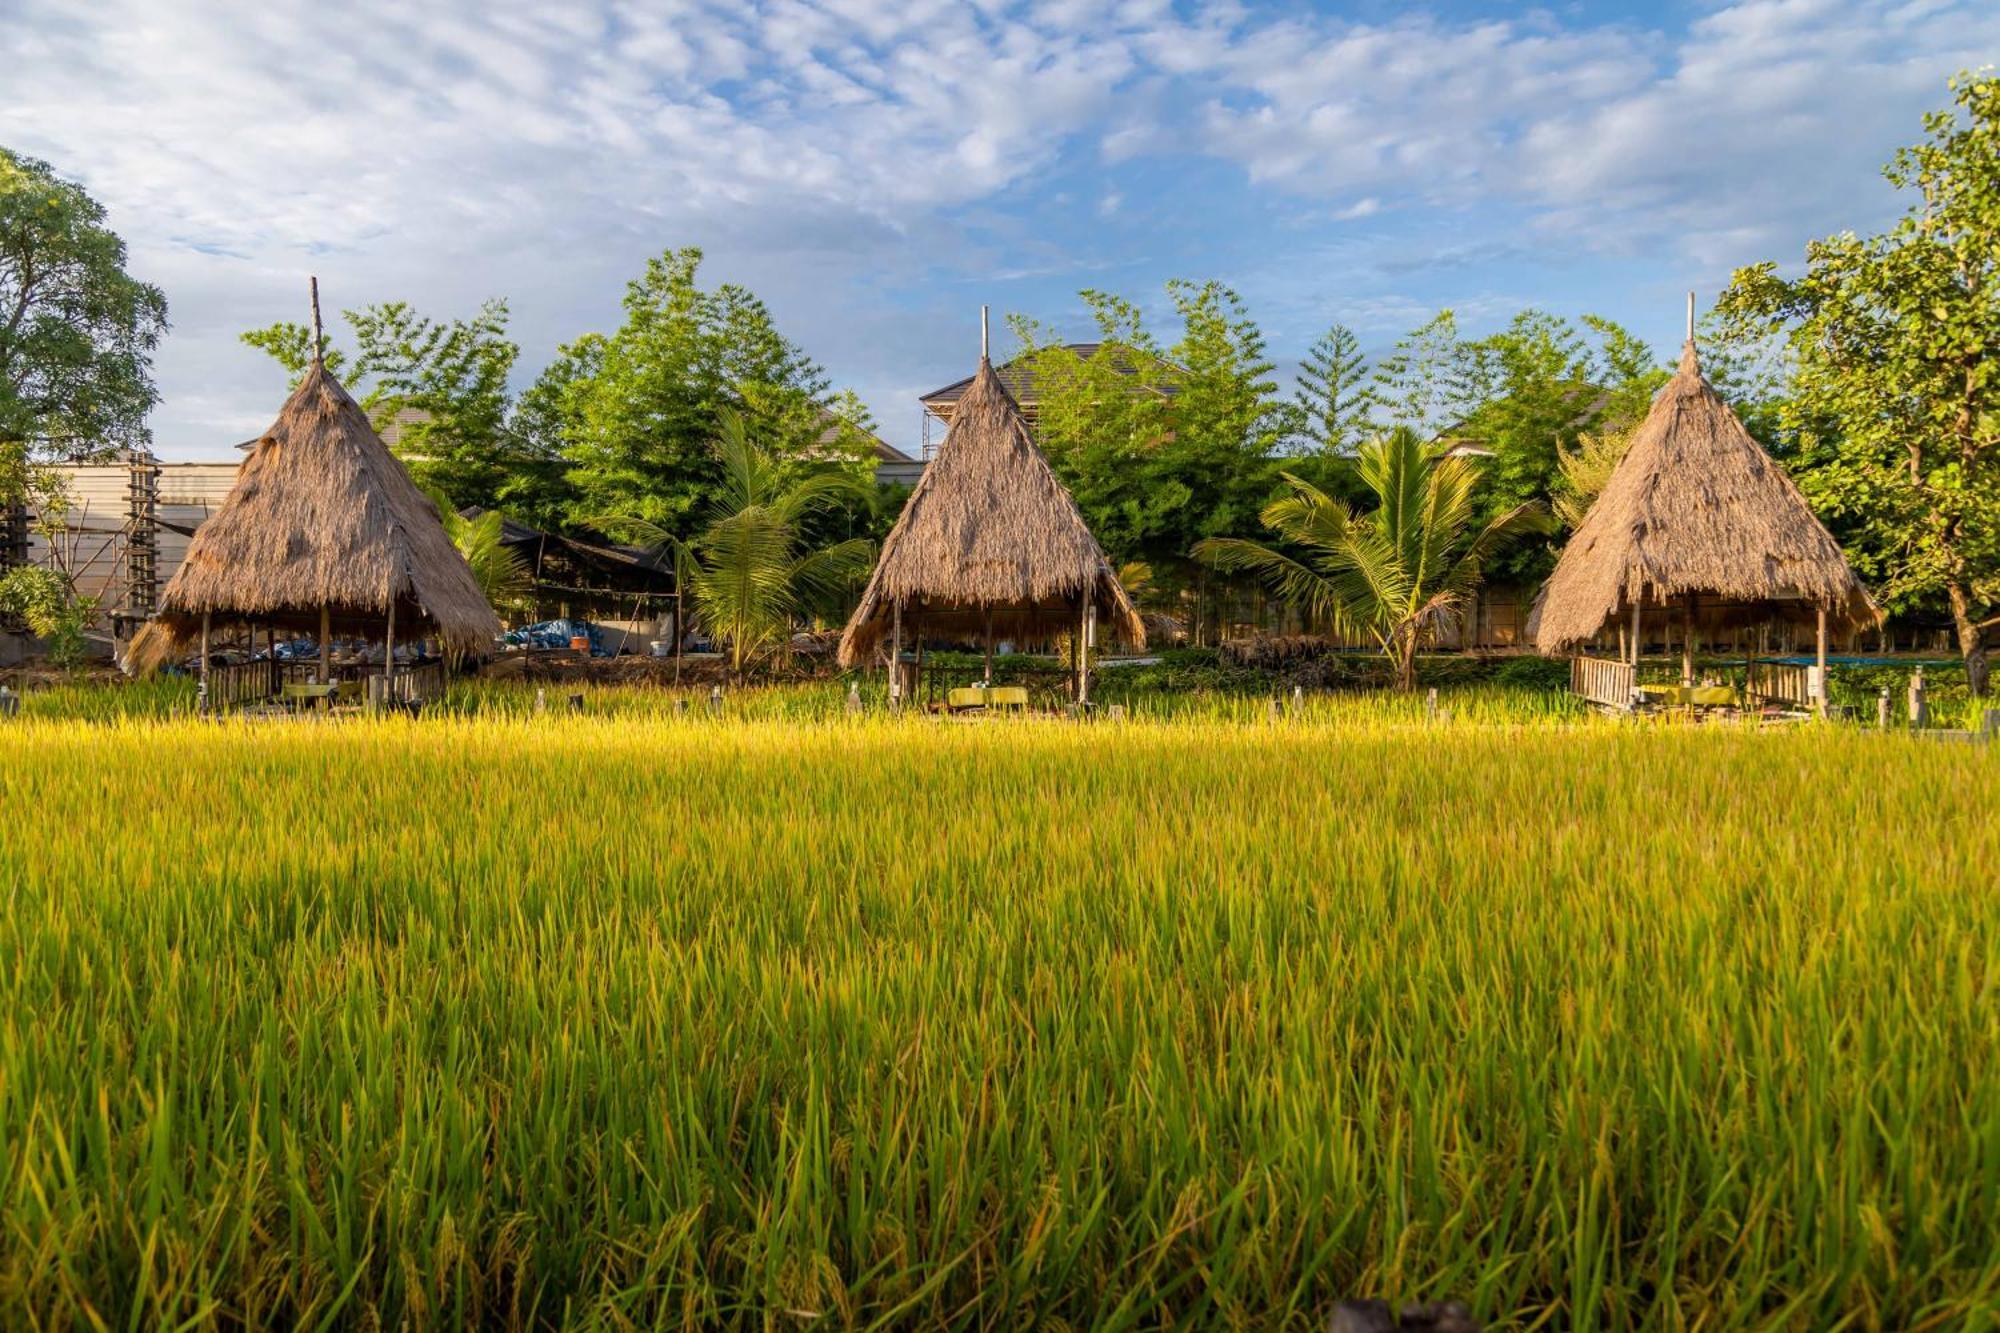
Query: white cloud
point(844, 157)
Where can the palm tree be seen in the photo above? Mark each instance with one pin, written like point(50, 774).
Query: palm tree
point(745, 571)
point(1389, 573)
point(496, 567)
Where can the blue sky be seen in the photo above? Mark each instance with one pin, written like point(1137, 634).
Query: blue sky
point(877, 171)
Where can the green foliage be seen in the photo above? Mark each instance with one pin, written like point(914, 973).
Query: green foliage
point(1585, 467)
point(1390, 573)
point(77, 332)
point(1429, 382)
point(1101, 420)
point(503, 577)
point(441, 383)
point(633, 414)
point(1896, 341)
point(1330, 407)
point(748, 572)
point(1545, 386)
point(1161, 447)
point(46, 601)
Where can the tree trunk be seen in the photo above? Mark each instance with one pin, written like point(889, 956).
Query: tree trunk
point(1971, 640)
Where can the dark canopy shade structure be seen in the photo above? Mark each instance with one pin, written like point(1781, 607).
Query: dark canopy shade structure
point(1699, 523)
point(323, 533)
point(989, 544)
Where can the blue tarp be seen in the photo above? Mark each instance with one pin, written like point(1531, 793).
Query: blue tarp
point(557, 634)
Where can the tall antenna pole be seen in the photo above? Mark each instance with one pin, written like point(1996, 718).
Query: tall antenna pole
point(983, 347)
point(1690, 316)
point(319, 338)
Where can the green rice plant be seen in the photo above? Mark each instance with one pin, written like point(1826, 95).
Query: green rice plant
point(801, 1020)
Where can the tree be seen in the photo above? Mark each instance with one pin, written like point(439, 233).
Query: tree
point(45, 596)
point(1429, 382)
point(633, 414)
point(77, 332)
point(748, 571)
point(1392, 572)
point(1160, 447)
point(441, 383)
point(1101, 419)
point(1331, 404)
point(503, 577)
point(1585, 467)
point(1896, 392)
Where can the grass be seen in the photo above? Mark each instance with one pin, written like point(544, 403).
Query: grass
point(636, 1019)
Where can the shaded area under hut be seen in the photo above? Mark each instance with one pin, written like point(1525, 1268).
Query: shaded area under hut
point(990, 546)
point(324, 534)
point(1700, 528)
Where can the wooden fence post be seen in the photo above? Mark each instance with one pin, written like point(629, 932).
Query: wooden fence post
point(1919, 711)
point(1882, 709)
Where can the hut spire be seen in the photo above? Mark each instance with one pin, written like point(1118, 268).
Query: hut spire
point(1696, 510)
point(989, 544)
point(319, 337)
point(985, 348)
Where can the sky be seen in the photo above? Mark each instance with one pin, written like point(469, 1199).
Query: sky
point(876, 171)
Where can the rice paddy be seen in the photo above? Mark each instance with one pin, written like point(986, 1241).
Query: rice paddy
point(794, 1021)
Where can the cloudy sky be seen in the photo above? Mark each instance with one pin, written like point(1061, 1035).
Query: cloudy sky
point(876, 169)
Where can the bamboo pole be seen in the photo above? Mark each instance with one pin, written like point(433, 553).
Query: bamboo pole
point(201, 694)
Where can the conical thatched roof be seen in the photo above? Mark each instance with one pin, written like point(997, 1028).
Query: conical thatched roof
point(989, 534)
point(1696, 507)
point(322, 515)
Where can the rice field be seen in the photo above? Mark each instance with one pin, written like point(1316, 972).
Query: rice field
point(791, 1021)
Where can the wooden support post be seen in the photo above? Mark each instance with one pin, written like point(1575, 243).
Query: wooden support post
point(1882, 709)
point(989, 645)
point(1819, 658)
point(1089, 642)
point(896, 657)
point(1635, 634)
point(389, 656)
point(201, 690)
point(1919, 707)
point(326, 645)
point(1687, 641)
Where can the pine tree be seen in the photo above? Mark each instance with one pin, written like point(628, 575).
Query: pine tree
point(1331, 405)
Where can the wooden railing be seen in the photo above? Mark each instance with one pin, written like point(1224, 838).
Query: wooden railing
point(1601, 681)
point(1782, 683)
point(243, 683)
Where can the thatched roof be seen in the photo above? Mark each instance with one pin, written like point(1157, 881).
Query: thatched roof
point(322, 515)
point(989, 533)
point(1696, 507)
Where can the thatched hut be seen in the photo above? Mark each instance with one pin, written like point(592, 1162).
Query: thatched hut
point(990, 544)
point(323, 534)
point(1700, 524)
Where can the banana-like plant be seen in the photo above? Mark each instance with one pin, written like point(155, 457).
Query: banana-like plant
point(496, 567)
point(746, 571)
point(1393, 571)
